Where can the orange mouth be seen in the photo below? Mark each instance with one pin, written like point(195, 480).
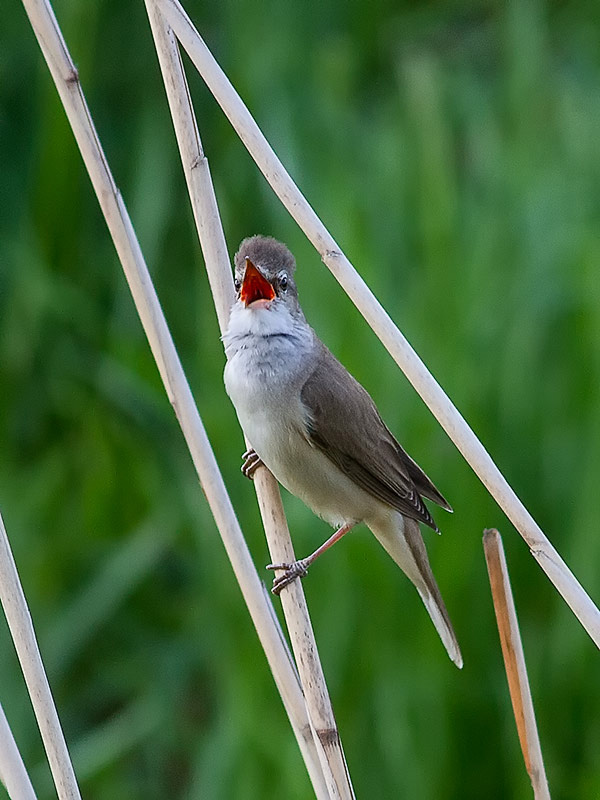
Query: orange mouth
point(255, 287)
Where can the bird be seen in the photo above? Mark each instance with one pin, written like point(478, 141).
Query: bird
point(313, 425)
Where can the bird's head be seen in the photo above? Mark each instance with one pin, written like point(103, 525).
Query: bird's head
point(264, 276)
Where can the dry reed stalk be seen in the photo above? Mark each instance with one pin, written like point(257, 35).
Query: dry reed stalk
point(380, 322)
point(210, 232)
point(514, 662)
point(23, 635)
point(119, 224)
point(13, 774)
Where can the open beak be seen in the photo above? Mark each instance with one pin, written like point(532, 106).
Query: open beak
point(255, 287)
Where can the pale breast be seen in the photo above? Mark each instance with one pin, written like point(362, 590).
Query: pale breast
point(272, 417)
point(263, 377)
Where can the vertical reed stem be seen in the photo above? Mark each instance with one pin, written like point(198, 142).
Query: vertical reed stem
point(23, 635)
point(514, 662)
point(13, 774)
point(326, 741)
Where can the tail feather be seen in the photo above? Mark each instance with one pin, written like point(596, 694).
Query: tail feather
point(406, 546)
point(430, 592)
point(439, 617)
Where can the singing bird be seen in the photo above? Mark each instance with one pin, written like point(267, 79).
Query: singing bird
point(318, 431)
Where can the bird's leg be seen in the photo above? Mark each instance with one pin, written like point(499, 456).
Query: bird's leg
point(298, 569)
point(251, 463)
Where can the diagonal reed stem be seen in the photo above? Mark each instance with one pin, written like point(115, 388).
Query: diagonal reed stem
point(514, 662)
point(13, 774)
point(326, 738)
point(380, 322)
point(148, 307)
point(23, 635)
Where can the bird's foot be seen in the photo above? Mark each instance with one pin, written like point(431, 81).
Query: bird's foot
point(298, 569)
point(251, 463)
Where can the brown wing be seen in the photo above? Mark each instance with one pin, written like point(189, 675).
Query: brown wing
point(344, 423)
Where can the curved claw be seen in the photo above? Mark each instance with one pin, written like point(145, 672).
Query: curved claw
point(298, 569)
point(251, 463)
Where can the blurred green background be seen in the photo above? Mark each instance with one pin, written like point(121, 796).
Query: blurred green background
point(453, 149)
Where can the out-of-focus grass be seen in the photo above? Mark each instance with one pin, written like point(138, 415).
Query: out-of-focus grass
point(453, 150)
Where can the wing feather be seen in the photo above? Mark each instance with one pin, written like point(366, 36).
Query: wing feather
point(339, 412)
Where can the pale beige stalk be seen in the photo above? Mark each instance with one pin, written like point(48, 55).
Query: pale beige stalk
point(325, 741)
point(13, 774)
point(380, 322)
point(23, 635)
point(514, 662)
point(263, 616)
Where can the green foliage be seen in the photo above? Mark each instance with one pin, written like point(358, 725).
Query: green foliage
point(452, 149)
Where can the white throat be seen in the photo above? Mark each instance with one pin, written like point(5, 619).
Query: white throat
point(272, 328)
point(258, 321)
point(265, 348)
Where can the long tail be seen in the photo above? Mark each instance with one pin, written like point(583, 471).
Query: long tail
point(406, 546)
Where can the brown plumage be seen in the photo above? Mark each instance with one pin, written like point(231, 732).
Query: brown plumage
point(338, 419)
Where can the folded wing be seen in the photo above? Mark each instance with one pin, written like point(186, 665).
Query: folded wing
point(343, 422)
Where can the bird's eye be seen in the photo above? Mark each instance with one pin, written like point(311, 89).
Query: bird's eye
point(237, 284)
point(283, 282)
